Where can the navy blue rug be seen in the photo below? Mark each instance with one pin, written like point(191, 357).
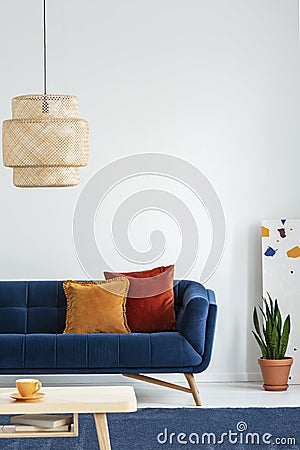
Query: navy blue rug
point(181, 428)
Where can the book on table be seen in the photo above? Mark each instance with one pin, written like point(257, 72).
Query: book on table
point(42, 420)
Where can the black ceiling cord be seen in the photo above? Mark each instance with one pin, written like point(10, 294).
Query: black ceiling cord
point(45, 105)
point(45, 47)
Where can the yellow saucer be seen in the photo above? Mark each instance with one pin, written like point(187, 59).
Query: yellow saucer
point(36, 396)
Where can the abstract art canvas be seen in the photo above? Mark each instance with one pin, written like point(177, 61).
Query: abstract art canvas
point(281, 276)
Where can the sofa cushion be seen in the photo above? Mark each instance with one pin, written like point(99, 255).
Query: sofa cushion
point(32, 307)
point(96, 352)
point(96, 307)
point(150, 303)
point(12, 351)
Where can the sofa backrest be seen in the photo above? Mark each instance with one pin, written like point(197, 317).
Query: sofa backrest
point(40, 306)
point(32, 307)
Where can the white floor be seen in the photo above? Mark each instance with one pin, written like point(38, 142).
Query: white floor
point(213, 395)
point(216, 395)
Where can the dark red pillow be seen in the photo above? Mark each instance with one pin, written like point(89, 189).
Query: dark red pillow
point(150, 301)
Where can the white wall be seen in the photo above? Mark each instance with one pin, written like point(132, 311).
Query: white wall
point(215, 83)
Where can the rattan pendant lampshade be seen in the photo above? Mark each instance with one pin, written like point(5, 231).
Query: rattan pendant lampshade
point(45, 142)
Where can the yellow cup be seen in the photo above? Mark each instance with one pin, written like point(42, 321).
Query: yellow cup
point(28, 387)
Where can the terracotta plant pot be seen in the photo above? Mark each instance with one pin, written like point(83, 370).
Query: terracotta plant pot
point(276, 373)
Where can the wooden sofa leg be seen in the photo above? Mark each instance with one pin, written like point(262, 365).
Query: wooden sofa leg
point(194, 389)
point(190, 379)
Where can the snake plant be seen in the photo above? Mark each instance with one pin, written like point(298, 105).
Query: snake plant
point(271, 337)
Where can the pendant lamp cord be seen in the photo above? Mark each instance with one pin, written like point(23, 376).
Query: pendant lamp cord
point(45, 47)
point(45, 104)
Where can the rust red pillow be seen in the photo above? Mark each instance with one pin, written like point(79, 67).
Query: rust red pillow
point(150, 301)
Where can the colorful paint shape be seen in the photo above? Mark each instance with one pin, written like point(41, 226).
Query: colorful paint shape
point(265, 232)
point(270, 251)
point(294, 252)
point(281, 232)
point(283, 221)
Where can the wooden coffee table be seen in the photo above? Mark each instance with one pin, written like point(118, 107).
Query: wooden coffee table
point(98, 400)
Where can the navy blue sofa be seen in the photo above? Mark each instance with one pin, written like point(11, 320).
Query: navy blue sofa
point(32, 320)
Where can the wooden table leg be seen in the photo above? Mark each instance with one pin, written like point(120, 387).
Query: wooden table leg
point(75, 424)
point(102, 431)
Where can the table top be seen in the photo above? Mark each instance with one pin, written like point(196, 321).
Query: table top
point(72, 399)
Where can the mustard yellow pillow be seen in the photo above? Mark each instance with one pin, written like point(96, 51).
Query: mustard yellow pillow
point(96, 306)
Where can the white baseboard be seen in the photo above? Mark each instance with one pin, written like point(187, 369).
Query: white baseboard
point(95, 379)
